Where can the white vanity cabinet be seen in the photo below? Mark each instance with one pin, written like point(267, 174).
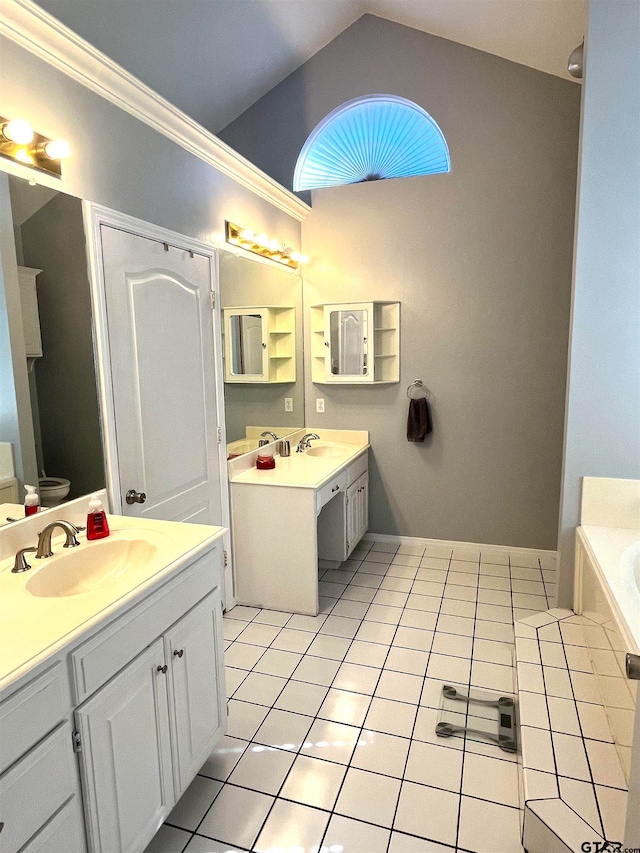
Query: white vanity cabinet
point(344, 520)
point(147, 732)
point(39, 787)
point(287, 520)
point(100, 745)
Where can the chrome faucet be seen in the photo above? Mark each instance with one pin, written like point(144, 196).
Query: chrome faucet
point(305, 441)
point(263, 441)
point(43, 548)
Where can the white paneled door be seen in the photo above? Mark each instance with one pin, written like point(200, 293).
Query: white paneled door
point(161, 350)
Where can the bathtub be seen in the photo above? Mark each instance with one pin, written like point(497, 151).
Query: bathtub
point(607, 596)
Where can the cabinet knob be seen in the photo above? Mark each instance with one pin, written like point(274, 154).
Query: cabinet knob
point(177, 653)
point(1, 825)
point(133, 497)
point(335, 488)
point(162, 669)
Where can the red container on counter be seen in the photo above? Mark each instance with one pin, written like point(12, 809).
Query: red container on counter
point(263, 463)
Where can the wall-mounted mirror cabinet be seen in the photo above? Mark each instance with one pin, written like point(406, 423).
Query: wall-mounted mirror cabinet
point(261, 303)
point(353, 342)
point(260, 344)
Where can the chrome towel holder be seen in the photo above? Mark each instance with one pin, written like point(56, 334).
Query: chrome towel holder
point(417, 385)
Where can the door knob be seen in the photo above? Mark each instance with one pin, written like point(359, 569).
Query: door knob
point(133, 497)
point(632, 666)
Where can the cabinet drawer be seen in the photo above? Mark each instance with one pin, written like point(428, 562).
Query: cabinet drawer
point(357, 468)
point(36, 788)
point(331, 489)
point(105, 654)
point(65, 831)
point(31, 713)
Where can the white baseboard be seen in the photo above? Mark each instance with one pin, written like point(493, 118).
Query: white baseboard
point(328, 564)
point(415, 540)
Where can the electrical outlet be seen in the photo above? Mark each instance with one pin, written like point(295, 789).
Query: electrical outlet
point(288, 404)
point(319, 404)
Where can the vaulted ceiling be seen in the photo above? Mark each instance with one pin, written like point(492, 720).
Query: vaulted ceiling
point(214, 58)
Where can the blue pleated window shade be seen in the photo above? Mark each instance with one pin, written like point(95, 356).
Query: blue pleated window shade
point(371, 139)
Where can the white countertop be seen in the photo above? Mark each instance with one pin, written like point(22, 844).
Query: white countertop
point(299, 470)
point(32, 628)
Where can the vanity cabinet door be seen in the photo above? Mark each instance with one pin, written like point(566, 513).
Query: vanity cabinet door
point(357, 511)
point(193, 649)
point(125, 756)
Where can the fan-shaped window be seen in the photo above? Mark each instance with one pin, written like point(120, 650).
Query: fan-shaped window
point(371, 139)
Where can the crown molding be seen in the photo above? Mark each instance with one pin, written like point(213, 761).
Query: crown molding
point(29, 26)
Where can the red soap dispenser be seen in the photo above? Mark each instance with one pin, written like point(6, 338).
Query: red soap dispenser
point(32, 501)
point(97, 526)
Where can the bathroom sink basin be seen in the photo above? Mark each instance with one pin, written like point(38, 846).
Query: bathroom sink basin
point(330, 449)
point(91, 566)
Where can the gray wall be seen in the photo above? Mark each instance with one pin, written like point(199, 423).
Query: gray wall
point(247, 282)
point(119, 162)
point(480, 260)
point(603, 402)
point(53, 241)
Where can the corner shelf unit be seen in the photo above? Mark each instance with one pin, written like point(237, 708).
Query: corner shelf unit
point(278, 344)
point(380, 343)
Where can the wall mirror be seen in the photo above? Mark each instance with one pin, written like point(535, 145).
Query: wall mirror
point(49, 237)
point(264, 387)
point(348, 342)
point(245, 343)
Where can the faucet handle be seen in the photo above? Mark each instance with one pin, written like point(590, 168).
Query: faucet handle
point(20, 563)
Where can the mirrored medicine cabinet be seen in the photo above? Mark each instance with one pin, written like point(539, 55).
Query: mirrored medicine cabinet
point(260, 344)
point(355, 342)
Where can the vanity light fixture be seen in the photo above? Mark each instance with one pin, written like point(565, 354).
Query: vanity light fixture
point(19, 142)
point(261, 244)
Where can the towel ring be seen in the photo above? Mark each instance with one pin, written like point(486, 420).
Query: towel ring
point(417, 385)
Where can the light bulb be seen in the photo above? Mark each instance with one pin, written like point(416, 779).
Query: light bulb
point(247, 234)
point(273, 245)
point(295, 256)
point(18, 130)
point(23, 156)
point(262, 240)
point(57, 149)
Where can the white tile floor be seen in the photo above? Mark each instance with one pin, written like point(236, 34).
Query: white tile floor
point(331, 743)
